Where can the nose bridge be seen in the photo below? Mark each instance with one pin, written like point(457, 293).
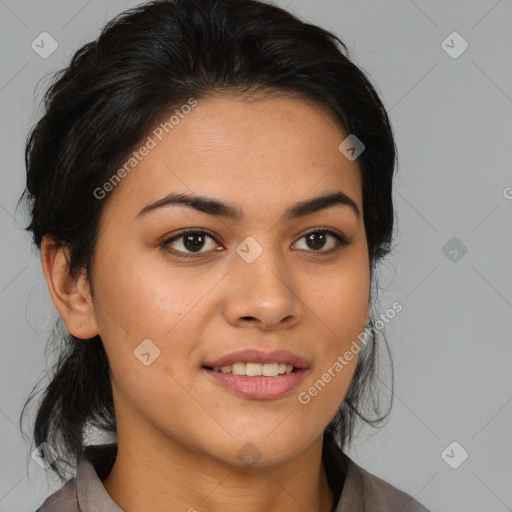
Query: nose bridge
point(261, 260)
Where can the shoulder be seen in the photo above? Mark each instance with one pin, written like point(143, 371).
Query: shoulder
point(365, 492)
point(63, 500)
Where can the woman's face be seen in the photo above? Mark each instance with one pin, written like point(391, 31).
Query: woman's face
point(254, 281)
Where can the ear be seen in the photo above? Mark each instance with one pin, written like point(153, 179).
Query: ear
point(71, 296)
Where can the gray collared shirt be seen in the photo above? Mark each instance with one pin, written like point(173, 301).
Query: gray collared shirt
point(362, 491)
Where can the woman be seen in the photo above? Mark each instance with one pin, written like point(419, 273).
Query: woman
point(210, 188)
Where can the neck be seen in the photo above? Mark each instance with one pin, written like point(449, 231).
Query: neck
point(162, 476)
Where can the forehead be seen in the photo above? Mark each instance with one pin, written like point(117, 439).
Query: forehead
point(251, 153)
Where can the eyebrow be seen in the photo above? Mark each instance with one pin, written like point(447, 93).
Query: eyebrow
point(231, 211)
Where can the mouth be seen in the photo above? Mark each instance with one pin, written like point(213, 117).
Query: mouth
point(257, 381)
point(257, 375)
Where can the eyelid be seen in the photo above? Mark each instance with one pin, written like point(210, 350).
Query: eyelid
point(186, 231)
point(339, 235)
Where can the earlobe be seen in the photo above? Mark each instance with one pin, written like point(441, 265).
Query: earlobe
point(71, 296)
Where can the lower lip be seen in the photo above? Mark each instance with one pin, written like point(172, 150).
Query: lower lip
point(260, 388)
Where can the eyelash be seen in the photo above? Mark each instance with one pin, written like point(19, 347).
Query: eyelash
point(340, 239)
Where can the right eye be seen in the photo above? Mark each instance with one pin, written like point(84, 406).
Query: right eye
point(192, 240)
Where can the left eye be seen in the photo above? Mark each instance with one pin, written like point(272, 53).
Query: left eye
point(316, 240)
point(194, 241)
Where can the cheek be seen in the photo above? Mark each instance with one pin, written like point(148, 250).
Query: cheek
point(339, 303)
point(340, 310)
point(150, 319)
point(144, 297)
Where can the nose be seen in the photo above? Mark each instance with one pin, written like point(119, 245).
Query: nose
point(263, 294)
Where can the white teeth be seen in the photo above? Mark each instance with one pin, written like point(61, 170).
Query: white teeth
point(238, 369)
point(270, 369)
point(253, 369)
point(256, 369)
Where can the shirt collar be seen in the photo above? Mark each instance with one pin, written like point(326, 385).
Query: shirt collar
point(92, 495)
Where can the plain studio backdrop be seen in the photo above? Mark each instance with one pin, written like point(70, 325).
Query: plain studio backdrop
point(443, 70)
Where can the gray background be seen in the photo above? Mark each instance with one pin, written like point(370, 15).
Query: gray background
point(451, 342)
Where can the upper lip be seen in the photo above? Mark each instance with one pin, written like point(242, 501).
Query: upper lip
point(257, 356)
